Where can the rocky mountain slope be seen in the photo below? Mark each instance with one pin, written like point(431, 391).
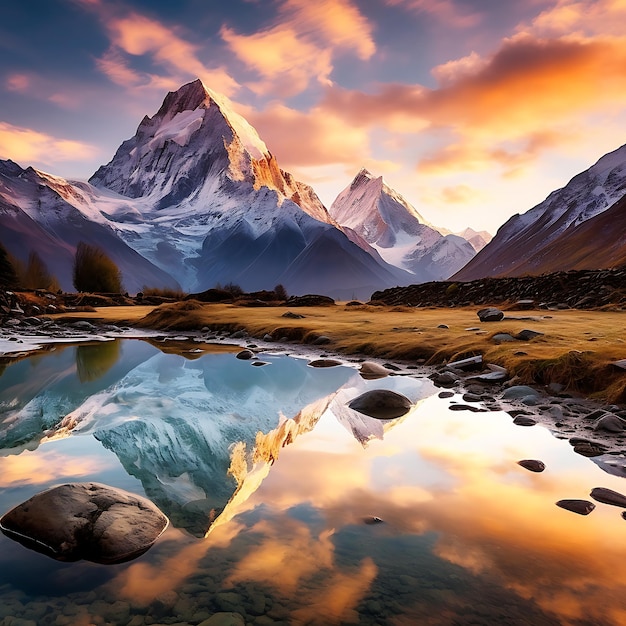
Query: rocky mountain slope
point(47, 214)
point(571, 229)
point(384, 219)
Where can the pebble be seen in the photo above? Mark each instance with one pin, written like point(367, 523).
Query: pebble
point(608, 496)
point(523, 420)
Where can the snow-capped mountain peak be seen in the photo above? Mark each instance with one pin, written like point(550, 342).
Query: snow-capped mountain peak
point(396, 230)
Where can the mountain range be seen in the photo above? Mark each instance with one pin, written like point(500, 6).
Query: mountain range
point(581, 226)
point(195, 198)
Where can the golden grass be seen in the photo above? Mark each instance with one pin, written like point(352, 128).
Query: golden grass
point(576, 349)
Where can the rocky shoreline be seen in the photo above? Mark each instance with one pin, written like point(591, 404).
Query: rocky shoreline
point(576, 289)
point(596, 430)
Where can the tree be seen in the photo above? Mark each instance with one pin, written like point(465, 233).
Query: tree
point(281, 292)
point(95, 271)
point(8, 276)
point(37, 275)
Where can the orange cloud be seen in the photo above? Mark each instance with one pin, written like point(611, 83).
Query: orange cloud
point(304, 139)
point(460, 194)
point(301, 45)
point(27, 145)
point(18, 82)
point(445, 11)
point(499, 108)
point(38, 468)
point(139, 35)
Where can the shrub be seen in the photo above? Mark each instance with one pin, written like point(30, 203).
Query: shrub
point(163, 292)
point(281, 292)
point(233, 289)
point(95, 271)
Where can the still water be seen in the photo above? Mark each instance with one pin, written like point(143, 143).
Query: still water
point(268, 479)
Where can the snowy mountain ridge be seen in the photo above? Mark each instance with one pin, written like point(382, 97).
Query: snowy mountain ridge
point(397, 231)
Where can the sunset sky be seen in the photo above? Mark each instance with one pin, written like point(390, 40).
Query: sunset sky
point(472, 109)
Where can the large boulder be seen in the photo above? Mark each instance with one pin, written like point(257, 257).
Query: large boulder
point(381, 404)
point(86, 521)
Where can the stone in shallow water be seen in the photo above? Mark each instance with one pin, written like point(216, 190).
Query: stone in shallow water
point(608, 496)
point(372, 371)
point(524, 420)
point(582, 507)
point(324, 363)
point(381, 404)
point(86, 521)
point(532, 465)
point(244, 355)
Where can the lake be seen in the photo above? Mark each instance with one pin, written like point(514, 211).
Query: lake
point(271, 484)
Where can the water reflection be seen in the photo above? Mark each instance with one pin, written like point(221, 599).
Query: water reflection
point(94, 360)
point(268, 475)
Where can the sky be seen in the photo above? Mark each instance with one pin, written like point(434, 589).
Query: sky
point(473, 110)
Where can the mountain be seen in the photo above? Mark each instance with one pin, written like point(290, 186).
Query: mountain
point(193, 199)
point(477, 239)
point(384, 219)
point(580, 226)
point(49, 215)
point(213, 206)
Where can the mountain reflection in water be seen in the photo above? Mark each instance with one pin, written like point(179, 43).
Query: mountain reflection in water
point(268, 476)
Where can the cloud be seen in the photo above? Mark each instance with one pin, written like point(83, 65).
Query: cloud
point(299, 47)
point(43, 88)
point(499, 107)
point(445, 11)
point(28, 145)
point(18, 82)
point(136, 35)
point(301, 139)
point(460, 194)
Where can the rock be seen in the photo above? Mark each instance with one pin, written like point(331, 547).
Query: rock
point(224, 619)
point(381, 404)
point(497, 374)
point(445, 394)
point(519, 391)
point(293, 316)
point(532, 465)
point(502, 337)
point(391, 367)
point(530, 400)
point(610, 423)
point(463, 407)
point(322, 340)
point(621, 364)
point(524, 420)
point(245, 355)
point(471, 363)
point(259, 363)
point(471, 397)
point(86, 521)
point(527, 334)
point(443, 326)
point(522, 305)
point(324, 363)
point(310, 300)
point(582, 507)
point(608, 496)
point(372, 519)
point(239, 334)
point(490, 314)
point(82, 325)
point(371, 371)
point(267, 337)
point(444, 379)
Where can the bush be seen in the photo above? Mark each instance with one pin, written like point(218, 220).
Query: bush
point(281, 292)
point(163, 292)
point(95, 271)
point(233, 289)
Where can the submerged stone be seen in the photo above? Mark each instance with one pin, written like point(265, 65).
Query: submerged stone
point(532, 465)
point(381, 404)
point(608, 496)
point(87, 521)
point(582, 507)
point(244, 355)
point(325, 363)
